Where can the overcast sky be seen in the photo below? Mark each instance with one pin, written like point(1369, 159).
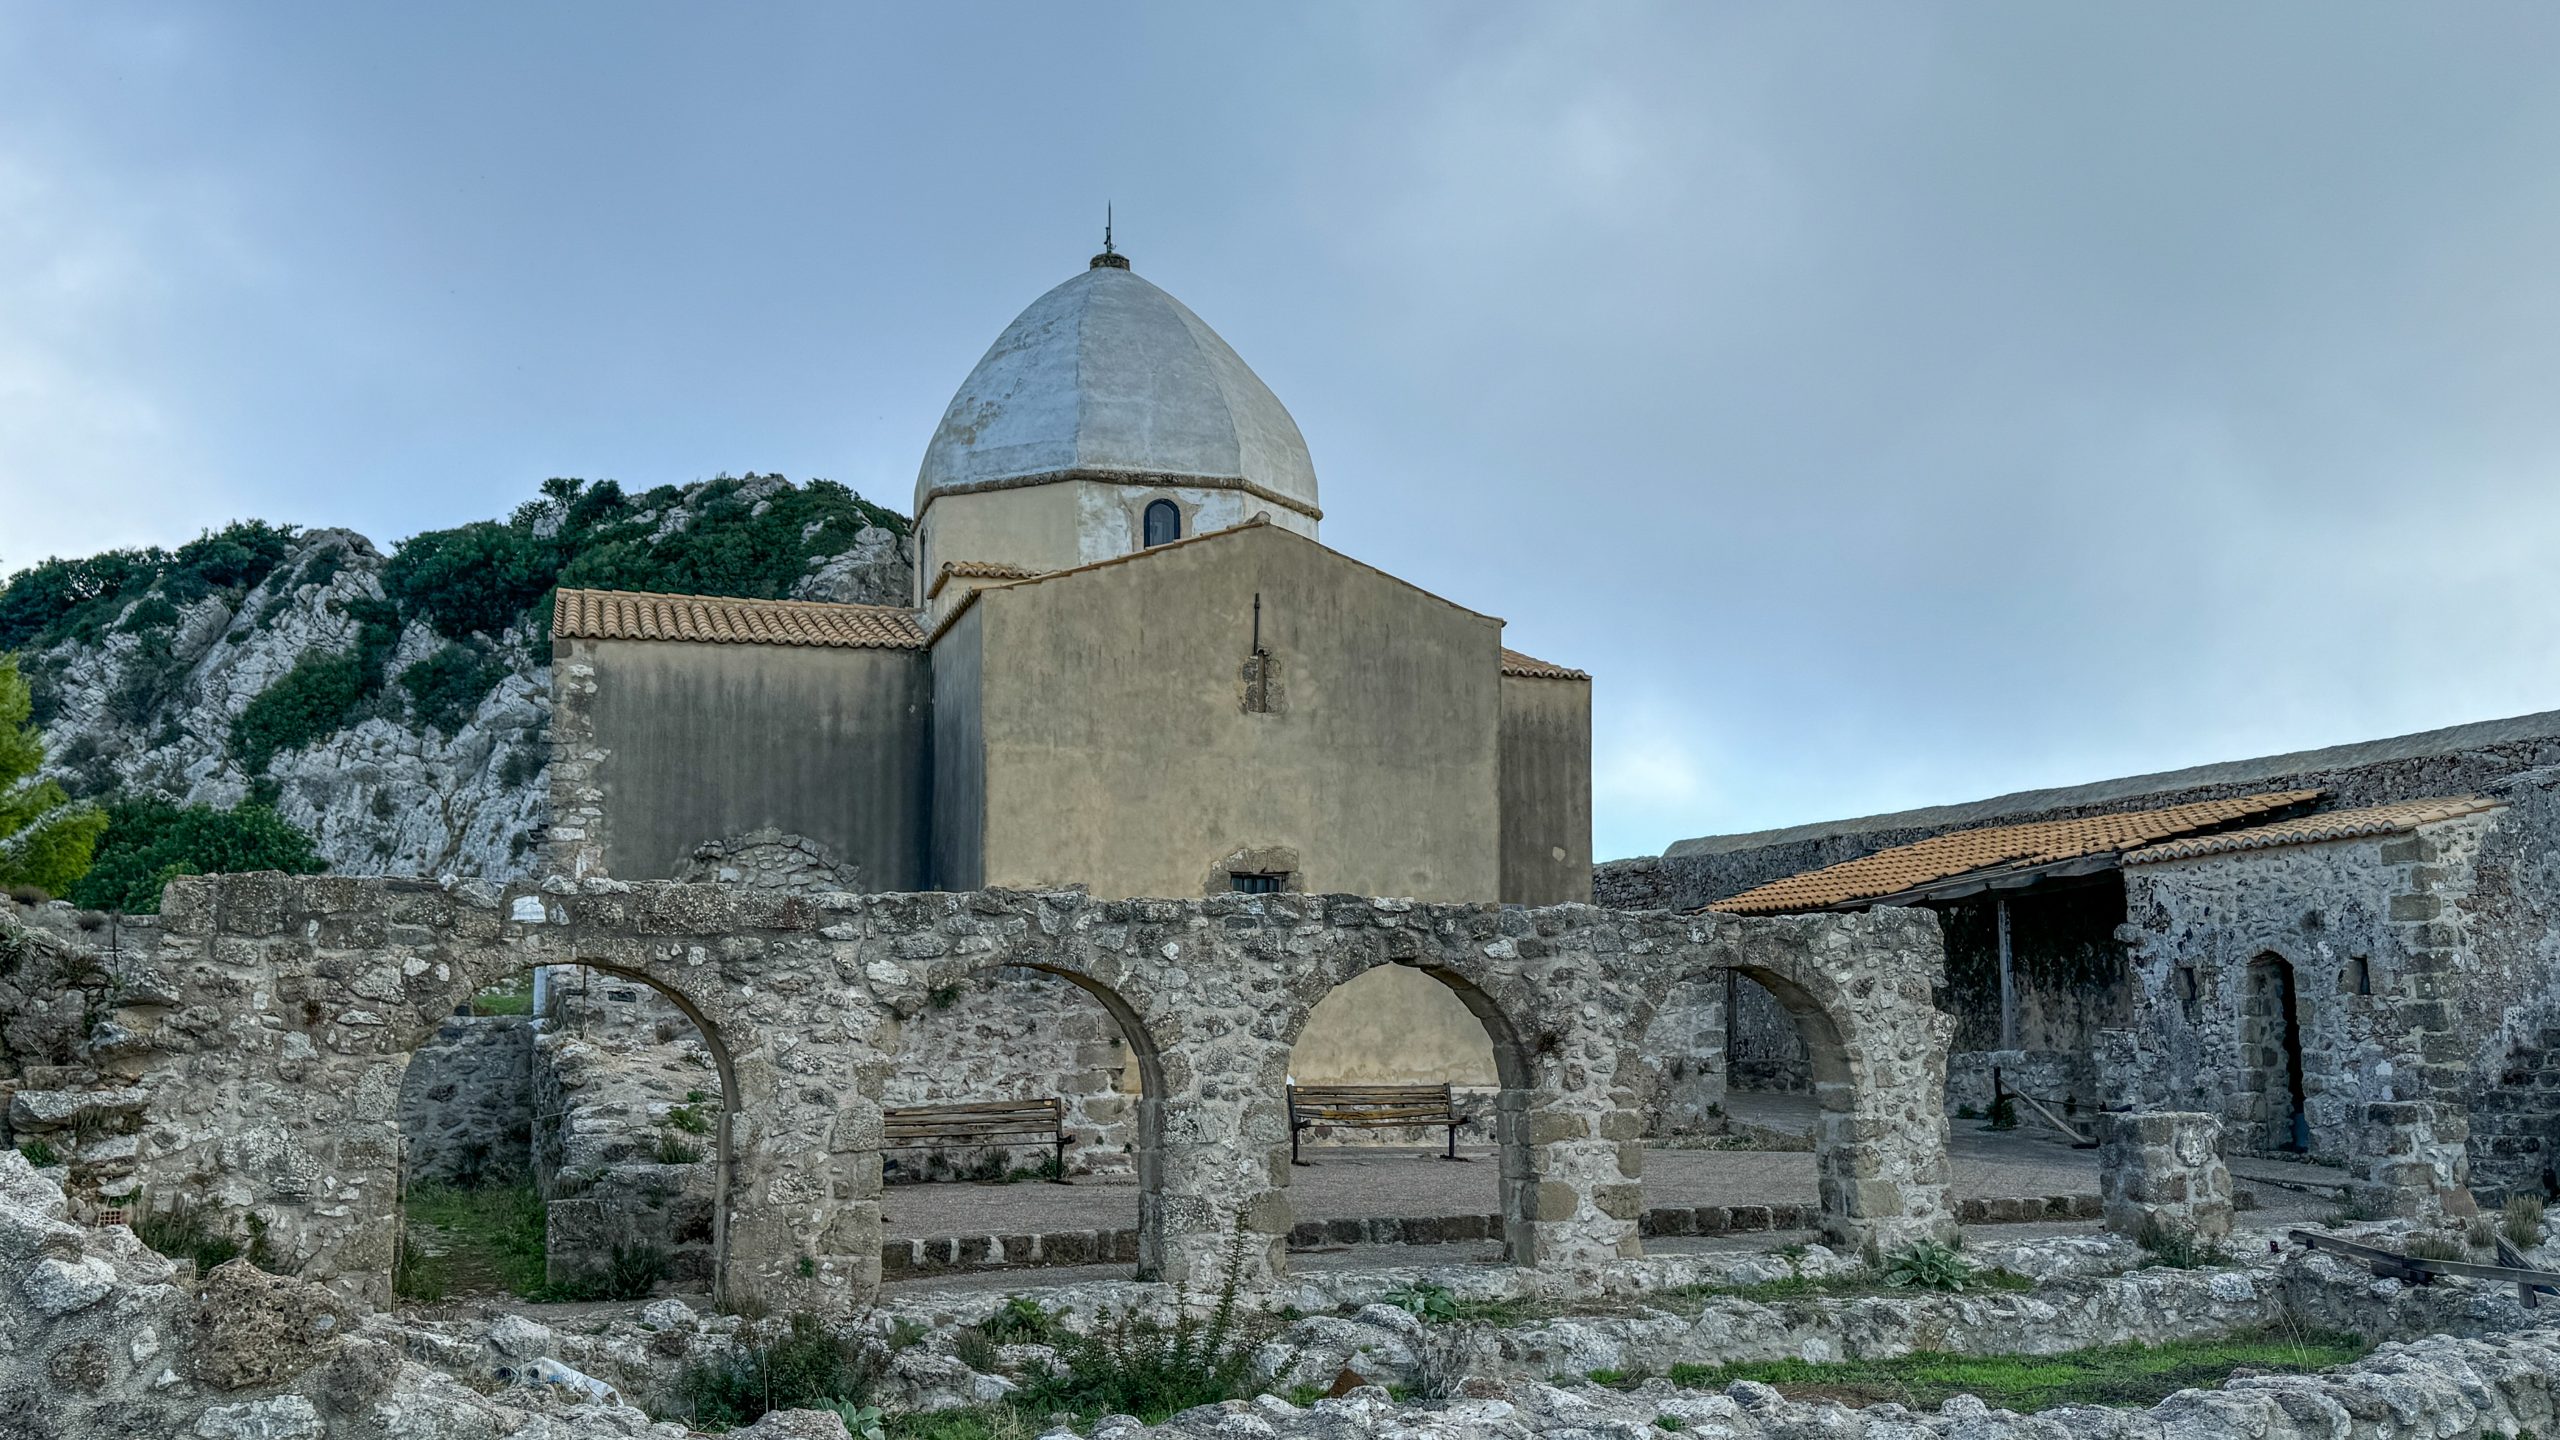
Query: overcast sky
point(1889, 405)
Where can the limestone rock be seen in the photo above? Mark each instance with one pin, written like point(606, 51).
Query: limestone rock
point(151, 708)
point(58, 1287)
point(795, 1425)
point(280, 1417)
point(252, 1328)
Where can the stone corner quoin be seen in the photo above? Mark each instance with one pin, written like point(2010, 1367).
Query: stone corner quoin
point(273, 1020)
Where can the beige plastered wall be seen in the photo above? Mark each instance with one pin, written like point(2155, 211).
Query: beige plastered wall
point(1067, 523)
point(1117, 751)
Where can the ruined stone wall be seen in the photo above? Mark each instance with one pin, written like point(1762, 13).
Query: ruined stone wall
point(466, 1104)
point(626, 1096)
point(267, 1033)
point(2385, 967)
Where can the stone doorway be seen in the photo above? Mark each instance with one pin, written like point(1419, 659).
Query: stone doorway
point(2271, 1050)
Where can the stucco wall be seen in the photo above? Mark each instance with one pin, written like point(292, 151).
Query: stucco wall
point(1546, 790)
point(1392, 1027)
point(1074, 522)
point(959, 800)
point(1119, 753)
point(697, 743)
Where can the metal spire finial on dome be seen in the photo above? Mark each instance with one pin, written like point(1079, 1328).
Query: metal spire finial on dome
point(1109, 259)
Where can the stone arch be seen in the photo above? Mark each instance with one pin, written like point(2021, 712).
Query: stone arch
point(1537, 1207)
point(1145, 1051)
point(490, 967)
point(1877, 1049)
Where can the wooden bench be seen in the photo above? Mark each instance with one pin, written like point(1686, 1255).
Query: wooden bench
point(1372, 1107)
point(991, 1123)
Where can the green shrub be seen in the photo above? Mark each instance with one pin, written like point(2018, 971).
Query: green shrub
point(809, 1367)
point(689, 1119)
point(46, 841)
point(2428, 1245)
point(1928, 1265)
point(1020, 1321)
point(448, 686)
point(482, 578)
point(186, 1232)
point(40, 1154)
point(672, 1151)
point(319, 695)
point(1133, 1365)
point(55, 599)
point(2523, 1220)
point(147, 841)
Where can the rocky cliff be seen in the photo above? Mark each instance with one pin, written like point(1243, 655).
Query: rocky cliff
point(395, 707)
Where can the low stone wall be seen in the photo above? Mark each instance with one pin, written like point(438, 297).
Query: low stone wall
point(466, 1104)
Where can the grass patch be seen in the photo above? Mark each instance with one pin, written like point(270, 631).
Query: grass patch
point(473, 1240)
point(2118, 1375)
point(2522, 1220)
point(515, 998)
point(1844, 1285)
point(40, 1154)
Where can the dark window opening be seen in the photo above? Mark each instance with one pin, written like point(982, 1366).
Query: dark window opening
point(1249, 883)
point(2360, 975)
point(1163, 522)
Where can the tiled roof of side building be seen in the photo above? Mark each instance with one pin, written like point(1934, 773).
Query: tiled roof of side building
point(1515, 663)
point(726, 620)
point(2398, 818)
point(1944, 857)
point(976, 570)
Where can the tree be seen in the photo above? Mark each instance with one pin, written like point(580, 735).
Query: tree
point(151, 841)
point(45, 840)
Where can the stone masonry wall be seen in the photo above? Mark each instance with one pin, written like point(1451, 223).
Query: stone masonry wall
point(466, 1104)
point(2410, 982)
point(268, 1031)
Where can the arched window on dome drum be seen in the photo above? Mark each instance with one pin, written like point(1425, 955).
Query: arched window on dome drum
point(1163, 522)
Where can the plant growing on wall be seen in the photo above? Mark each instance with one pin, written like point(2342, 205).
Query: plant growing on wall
point(45, 840)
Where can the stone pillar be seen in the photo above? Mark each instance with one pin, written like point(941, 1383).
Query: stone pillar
point(2164, 1167)
point(1880, 1149)
point(1222, 1152)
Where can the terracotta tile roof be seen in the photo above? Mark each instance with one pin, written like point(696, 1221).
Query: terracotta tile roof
point(723, 620)
point(2397, 818)
point(1515, 663)
point(975, 570)
point(1961, 852)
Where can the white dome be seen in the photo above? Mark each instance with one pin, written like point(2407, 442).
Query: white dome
point(1108, 377)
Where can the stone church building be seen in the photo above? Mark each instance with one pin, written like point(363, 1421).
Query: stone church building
point(1130, 664)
